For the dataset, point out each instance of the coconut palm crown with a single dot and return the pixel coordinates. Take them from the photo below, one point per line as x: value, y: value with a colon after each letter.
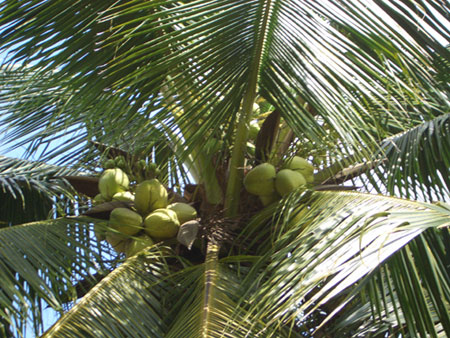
x: 194, y: 94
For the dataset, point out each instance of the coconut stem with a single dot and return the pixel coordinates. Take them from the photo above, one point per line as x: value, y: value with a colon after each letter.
x: 237, y: 161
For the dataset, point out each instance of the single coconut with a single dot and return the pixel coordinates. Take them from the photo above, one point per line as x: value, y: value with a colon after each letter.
x: 301, y: 165
x: 260, y: 180
x: 269, y: 199
x: 253, y: 130
x: 150, y: 195
x: 125, y: 221
x: 288, y: 180
x: 184, y: 211
x: 124, y: 196
x: 109, y: 164
x: 162, y: 224
x: 120, y: 162
x: 98, y: 199
x: 138, y: 244
x: 111, y: 182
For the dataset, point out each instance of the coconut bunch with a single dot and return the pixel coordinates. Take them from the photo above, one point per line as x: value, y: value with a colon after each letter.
x: 270, y: 185
x: 150, y: 217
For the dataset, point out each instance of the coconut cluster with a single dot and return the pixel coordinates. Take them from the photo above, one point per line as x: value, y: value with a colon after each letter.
x: 150, y: 217
x: 270, y: 185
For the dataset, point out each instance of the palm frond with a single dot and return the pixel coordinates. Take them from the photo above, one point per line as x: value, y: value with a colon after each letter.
x: 206, y: 311
x: 41, y: 263
x: 31, y: 189
x: 410, y: 291
x: 336, y: 240
x: 158, y: 80
x: 205, y: 59
x: 130, y: 302
x: 170, y: 303
x: 144, y: 296
x: 418, y: 161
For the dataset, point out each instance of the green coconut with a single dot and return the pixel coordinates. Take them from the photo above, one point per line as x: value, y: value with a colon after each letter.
x: 118, y: 242
x: 253, y: 130
x: 260, y: 180
x: 111, y: 182
x: 162, y: 224
x: 184, y: 211
x: 120, y: 162
x: 138, y: 244
x: 98, y: 199
x: 109, y: 164
x: 288, y: 180
x: 269, y: 199
x: 124, y: 196
x: 125, y: 221
x: 150, y: 195
x: 302, y: 166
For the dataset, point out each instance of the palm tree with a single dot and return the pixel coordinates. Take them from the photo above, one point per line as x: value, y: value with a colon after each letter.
x: 357, y: 87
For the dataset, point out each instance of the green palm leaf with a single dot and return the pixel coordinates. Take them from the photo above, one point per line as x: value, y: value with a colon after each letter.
x: 165, y: 81
x: 418, y: 161
x: 197, y: 301
x: 290, y: 65
x: 396, y: 302
x: 30, y: 189
x: 129, y: 302
x: 220, y: 299
x: 42, y: 261
x: 339, y: 239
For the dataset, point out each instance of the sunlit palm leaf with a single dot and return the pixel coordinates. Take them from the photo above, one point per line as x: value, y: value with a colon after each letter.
x: 170, y: 303
x: 144, y: 297
x: 339, y: 239
x: 210, y: 55
x: 130, y: 302
x: 410, y: 291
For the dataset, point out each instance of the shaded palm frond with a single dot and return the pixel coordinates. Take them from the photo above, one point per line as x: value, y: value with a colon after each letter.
x: 442, y: 66
x: 336, y: 240
x: 418, y: 161
x: 37, y: 113
x: 41, y: 262
x: 30, y: 189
